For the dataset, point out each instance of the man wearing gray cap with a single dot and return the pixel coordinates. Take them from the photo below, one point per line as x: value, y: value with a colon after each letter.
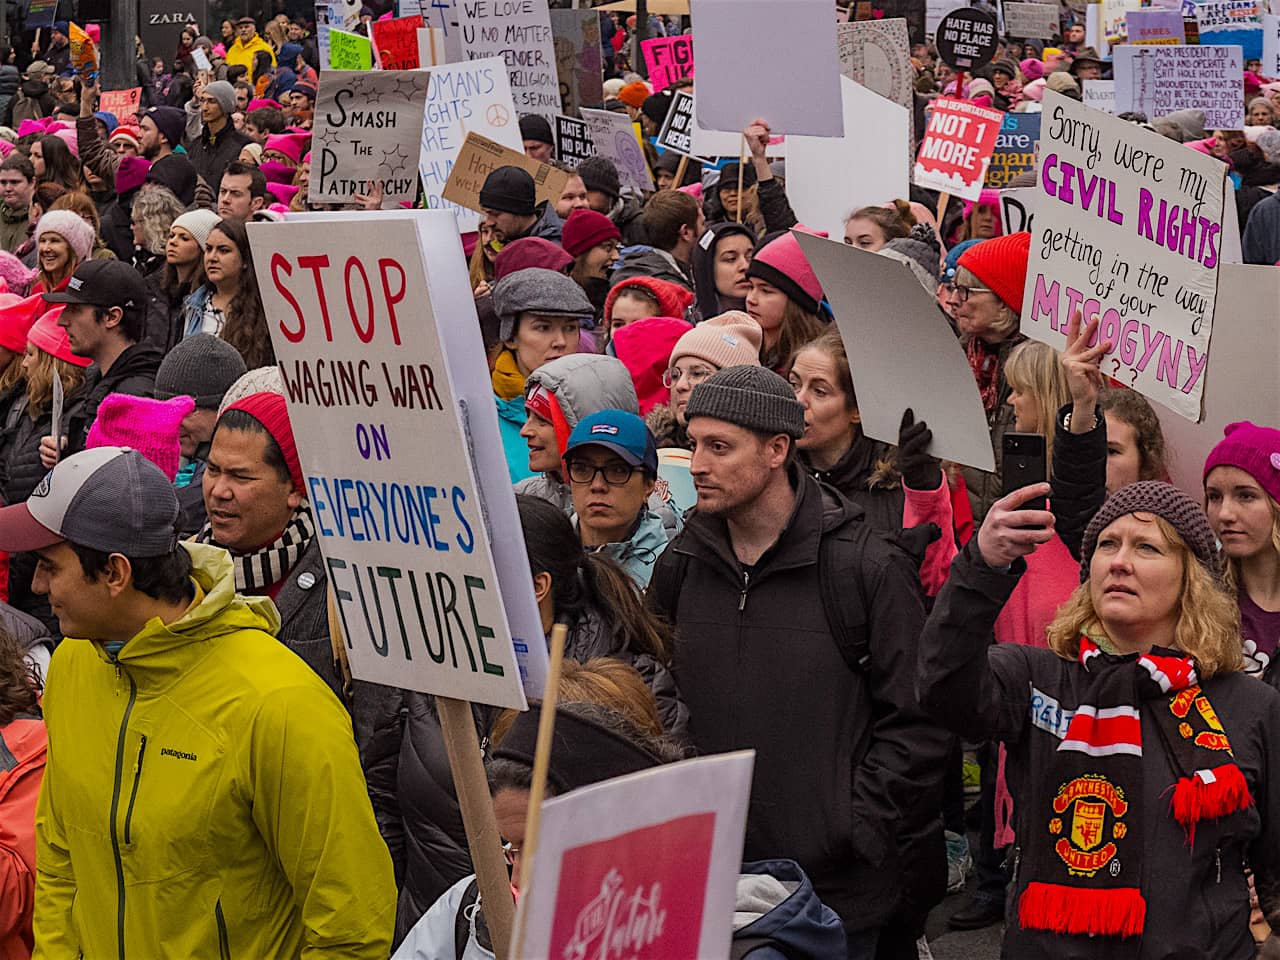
x: 217, y: 141
x: 203, y: 794
x: 797, y: 626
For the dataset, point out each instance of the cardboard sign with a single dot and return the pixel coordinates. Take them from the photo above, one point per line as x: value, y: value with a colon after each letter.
x: 431, y: 50
x: 796, y: 87
x: 480, y: 156
x: 1225, y: 22
x: 396, y: 43
x: 830, y: 177
x: 643, y: 866
x: 900, y: 333
x: 1099, y: 94
x: 389, y: 396
x: 669, y: 59
x: 677, y: 129
x: 573, y: 142
x: 1270, y: 45
x: 1134, y: 239
x: 160, y: 22
x: 957, y: 146
x: 473, y: 95
x: 967, y: 39
x: 367, y: 127
x: 1027, y: 20
x: 121, y: 104
x: 1015, y: 150
x: 1159, y: 80
x: 614, y: 137
x: 1155, y: 27
x: 579, y: 60
x: 349, y: 51
x: 519, y: 31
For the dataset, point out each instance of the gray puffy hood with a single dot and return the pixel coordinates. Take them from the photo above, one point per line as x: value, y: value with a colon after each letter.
x: 585, y: 383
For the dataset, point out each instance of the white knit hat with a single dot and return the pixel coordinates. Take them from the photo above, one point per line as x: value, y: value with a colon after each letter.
x: 72, y: 228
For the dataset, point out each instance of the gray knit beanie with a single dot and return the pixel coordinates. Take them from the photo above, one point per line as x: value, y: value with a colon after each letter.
x: 202, y: 367
x: 752, y: 397
x: 920, y: 250
x: 225, y: 94
x: 1164, y: 501
x: 537, y: 290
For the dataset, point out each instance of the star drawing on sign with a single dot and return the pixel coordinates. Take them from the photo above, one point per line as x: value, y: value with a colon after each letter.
x: 367, y: 90
x: 328, y: 138
x: 394, y: 160
x: 407, y: 87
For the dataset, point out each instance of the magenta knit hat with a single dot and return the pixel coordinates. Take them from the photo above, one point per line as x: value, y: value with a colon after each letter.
x: 585, y: 229
x: 71, y: 227
x: 148, y: 426
x: 1031, y: 68
x: 782, y: 264
x: 131, y: 173
x: 729, y: 340
x: 1254, y: 449
x: 292, y: 145
x: 17, y: 276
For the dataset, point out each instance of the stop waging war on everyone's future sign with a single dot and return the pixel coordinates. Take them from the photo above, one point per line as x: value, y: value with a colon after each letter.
x: 1128, y: 228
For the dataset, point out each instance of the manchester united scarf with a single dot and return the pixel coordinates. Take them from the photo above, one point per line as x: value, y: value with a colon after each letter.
x: 1084, y: 879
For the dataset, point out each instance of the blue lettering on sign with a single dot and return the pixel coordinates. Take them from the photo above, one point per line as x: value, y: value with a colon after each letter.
x: 1048, y: 715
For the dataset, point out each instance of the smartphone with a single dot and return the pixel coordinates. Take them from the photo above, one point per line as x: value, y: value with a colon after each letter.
x: 1023, y: 464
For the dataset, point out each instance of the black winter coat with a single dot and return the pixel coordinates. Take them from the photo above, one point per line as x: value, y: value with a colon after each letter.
x: 210, y: 153
x: 855, y: 476
x: 163, y: 327
x: 134, y: 372
x: 846, y: 763
x: 1196, y: 892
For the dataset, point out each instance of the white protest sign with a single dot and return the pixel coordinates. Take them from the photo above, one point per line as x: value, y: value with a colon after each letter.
x: 1128, y: 229
x: 1016, y: 209
x: 830, y: 177
x: 876, y: 54
x: 367, y: 125
x: 474, y: 95
x: 1231, y: 22
x: 371, y: 317
x: 1270, y: 45
x: 520, y: 32
x: 1159, y: 80
x: 956, y: 150
x: 1026, y: 20
x: 200, y: 59
x: 644, y: 865
x: 901, y: 350
x: 431, y: 49
x: 935, y: 10
x: 1099, y: 94
x: 791, y: 82
x: 615, y: 138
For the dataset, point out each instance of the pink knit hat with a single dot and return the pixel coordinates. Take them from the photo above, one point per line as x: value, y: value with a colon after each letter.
x: 70, y: 138
x: 988, y: 198
x: 46, y: 335
x: 782, y: 264
x: 292, y: 145
x: 644, y: 347
x: 1254, y: 449
x: 16, y: 276
x: 17, y: 314
x: 283, y: 192
x: 71, y: 227
x: 131, y: 174
x: 148, y: 426
x: 261, y: 102
x: 731, y: 339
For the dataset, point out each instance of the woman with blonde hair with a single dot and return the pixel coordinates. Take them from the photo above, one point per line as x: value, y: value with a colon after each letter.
x: 63, y: 241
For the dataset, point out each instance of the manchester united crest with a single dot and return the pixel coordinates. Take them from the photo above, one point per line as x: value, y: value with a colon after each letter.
x: 1089, y: 820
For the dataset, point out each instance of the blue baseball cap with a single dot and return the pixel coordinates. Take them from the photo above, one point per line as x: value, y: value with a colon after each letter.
x: 952, y: 262
x: 619, y: 432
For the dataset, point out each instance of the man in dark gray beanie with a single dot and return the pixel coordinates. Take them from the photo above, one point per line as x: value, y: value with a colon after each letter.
x: 509, y: 199
x: 796, y: 630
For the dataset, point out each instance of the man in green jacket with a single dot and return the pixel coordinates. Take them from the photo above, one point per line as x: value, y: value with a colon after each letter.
x: 203, y: 796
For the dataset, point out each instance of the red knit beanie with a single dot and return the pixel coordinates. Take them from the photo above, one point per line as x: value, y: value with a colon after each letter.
x: 673, y: 299
x: 585, y: 229
x: 48, y: 336
x: 1002, y: 265
x: 270, y: 410
x: 782, y: 264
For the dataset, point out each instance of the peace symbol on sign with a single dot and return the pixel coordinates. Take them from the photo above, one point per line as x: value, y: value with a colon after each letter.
x: 497, y: 115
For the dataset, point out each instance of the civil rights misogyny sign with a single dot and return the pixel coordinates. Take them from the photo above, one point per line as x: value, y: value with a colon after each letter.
x: 1128, y: 228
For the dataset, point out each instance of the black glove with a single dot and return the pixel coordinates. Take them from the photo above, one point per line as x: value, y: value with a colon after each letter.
x: 919, y: 470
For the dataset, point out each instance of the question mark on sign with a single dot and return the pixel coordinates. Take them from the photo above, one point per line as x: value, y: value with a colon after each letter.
x: 1115, y: 371
x: 1134, y: 378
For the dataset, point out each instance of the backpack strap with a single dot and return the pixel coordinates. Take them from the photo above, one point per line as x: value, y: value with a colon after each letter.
x: 461, y: 922
x: 667, y: 580
x: 843, y: 604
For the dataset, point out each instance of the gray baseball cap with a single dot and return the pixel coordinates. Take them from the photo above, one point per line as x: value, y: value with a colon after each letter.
x: 111, y: 499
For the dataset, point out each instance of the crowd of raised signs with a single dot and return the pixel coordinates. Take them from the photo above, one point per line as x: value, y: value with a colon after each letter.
x: 1060, y: 699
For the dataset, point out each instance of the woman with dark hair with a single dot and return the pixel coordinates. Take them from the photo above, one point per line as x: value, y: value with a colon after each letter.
x: 181, y: 275
x: 228, y: 305
x: 720, y: 261
x: 23, y: 743
x: 54, y: 162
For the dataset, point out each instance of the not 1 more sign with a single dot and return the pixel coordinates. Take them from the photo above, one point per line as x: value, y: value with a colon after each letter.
x: 967, y: 39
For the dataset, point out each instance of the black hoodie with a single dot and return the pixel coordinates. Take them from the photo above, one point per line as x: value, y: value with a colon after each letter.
x: 710, y: 303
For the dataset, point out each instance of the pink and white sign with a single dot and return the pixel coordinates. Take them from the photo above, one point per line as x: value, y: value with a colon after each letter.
x: 669, y: 59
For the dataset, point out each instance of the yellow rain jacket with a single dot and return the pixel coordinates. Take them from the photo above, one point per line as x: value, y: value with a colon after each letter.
x: 242, y: 54
x: 203, y: 797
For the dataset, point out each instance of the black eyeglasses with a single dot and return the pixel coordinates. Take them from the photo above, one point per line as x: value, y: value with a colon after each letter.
x: 615, y: 472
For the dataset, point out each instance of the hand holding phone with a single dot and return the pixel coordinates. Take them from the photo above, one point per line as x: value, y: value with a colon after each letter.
x: 1023, y: 463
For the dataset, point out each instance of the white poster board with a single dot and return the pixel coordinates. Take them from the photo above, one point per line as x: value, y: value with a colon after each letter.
x: 520, y: 32
x: 1099, y: 94
x: 1159, y: 80
x: 1028, y: 20
x: 614, y: 137
x: 1136, y: 242
x: 876, y: 54
x: 901, y: 351
x: 757, y: 61
x: 474, y: 95
x: 1270, y: 45
x: 373, y: 323
x: 830, y: 177
x: 644, y: 865
x: 935, y: 10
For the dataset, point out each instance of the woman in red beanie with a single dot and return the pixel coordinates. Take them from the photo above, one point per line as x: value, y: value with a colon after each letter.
x: 592, y: 240
x: 638, y: 297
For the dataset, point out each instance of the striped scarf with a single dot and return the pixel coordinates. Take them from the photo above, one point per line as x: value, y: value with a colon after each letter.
x: 258, y: 571
x: 1084, y: 874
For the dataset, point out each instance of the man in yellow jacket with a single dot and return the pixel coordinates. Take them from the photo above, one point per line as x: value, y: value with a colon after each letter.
x: 247, y: 43
x: 203, y: 796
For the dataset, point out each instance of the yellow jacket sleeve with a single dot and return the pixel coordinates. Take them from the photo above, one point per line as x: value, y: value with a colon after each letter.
x: 55, y: 933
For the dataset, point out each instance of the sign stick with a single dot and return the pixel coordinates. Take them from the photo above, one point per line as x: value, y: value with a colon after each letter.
x: 542, y: 757
x: 959, y: 82
x: 944, y: 201
x: 483, y: 841
x: 742, y: 162
x: 681, y: 167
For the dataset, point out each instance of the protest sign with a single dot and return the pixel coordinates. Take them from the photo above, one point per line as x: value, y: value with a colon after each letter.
x: 480, y: 156
x: 830, y: 177
x: 121, y: 104
x: 573, y: 142
x: 41, y: 14
x: 1135, y: 240
x: 643, y: 866
x: 473, y: 95
x: 201, y: 59
x: 876, y: 54
x: 957, y: 145
x: 1015, y: 150
x: 579, y: 60
x: 1026, y: 20
x: 900, y: 330
x: 1099, y: 94
x: 913, y: 11
x: 349, y: 51
x: 669, y: 59
x: 519, y: 31
x: 796, y: 88
x: 395, y: 43
x: 674, y: 473
x: 1114, y: 21
x: 160, y: 22
x: 389, y: 397
x: 1271, y: 45
x: 614, y: 137
x: 935, y: 10
x: 1016, y: 209
x: 367, y: 127
x: 1159, y: 80
x: 1158, y: 27
x: 431, y: 51
x: 1225, y: 22
x: 677, y: 129
x: 967, y: 39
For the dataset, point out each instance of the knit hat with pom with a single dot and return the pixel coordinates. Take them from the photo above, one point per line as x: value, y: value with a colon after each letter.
x: 148, y: 426
x: 71, y: 227
x: 1254, y: 449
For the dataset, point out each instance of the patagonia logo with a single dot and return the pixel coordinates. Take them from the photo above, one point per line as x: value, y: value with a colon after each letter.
x: 605, y: 428
x: 177, y: 754
x: 1048, y: 715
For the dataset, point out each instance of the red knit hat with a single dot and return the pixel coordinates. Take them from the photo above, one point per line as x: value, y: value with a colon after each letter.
x: 270, y: 410
x: 531, y: 252
x: 585, y: 229
x: 782, y: 264
x: 635, y: 94
x: 673, y: 299
x: 1002, y: 265
x: 17, y: 314
x: 52, y: 339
